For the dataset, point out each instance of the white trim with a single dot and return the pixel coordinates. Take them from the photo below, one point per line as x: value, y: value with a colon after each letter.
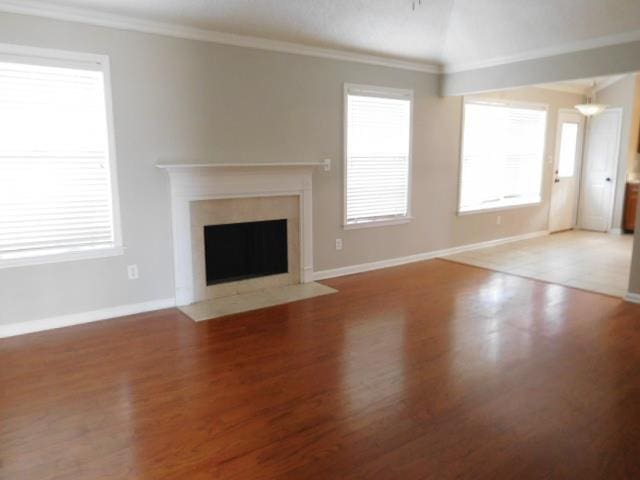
x: 608, y: 82
x: 45, y: 56
x: 632, y: 297
x: 499, y: 208
x: 383, y: 92
x: 62, y: 257
x: 559, y: 87
x: 30, y: 326
x: 93, y: 17
x: 579, y: 89
x: 378, y: 223
x: 593, y: 43
x: 378, y: 91
x: 393, y: 262
x: 113, y: 158
x: 616, y: 231
x: 505, y: 102
x: 122, y: 22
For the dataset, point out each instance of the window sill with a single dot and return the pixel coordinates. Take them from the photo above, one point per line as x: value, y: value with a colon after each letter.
x: 62, y: 257
x: 377, y: 223
x: 498, y: 208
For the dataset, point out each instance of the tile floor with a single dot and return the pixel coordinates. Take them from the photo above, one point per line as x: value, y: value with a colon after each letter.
x: 597, y: 262
x: 246, y: 302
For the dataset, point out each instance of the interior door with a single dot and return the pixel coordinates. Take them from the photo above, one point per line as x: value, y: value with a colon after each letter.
x: 601, y: 162
x: 566, y: 178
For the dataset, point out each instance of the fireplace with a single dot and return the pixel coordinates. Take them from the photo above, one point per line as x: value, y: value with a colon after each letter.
x: 209, y: 194
x: 239, y: 251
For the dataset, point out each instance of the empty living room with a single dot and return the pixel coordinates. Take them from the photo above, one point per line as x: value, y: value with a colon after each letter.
x: 311, y: 239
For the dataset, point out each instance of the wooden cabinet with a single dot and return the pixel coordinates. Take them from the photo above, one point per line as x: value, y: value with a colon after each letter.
x: 630, y: 205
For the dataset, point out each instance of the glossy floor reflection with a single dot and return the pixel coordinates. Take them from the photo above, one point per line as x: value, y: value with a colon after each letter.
x: 432, y: 370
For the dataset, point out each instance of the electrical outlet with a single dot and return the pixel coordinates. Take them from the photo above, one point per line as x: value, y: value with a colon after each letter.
x: 338, y: 244
x: 499, y: 220
x: 132, y: 272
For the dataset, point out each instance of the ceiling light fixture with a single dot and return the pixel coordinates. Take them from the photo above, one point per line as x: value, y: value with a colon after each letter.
x: 590, y: 109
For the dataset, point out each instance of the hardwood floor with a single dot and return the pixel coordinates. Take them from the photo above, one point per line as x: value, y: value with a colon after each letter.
x: 433, y: 370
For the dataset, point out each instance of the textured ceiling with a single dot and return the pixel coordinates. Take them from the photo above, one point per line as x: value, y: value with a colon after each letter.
x: 437, y: 31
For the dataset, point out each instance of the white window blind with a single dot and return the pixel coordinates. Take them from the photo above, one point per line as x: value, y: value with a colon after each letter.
x: 502, y: 159
x: 56, y: 191
x: 378, y: 135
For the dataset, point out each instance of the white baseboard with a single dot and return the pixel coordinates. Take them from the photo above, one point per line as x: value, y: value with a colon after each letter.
x: 616, y: 231
x: 31, y: 326
x: 632, y: 297
x: 393, y: 262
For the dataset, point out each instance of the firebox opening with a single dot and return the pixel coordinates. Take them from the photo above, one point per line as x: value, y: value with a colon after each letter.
x: 239, y: 251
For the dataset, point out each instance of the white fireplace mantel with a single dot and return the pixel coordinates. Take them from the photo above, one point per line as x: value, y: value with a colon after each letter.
x: 208, y: 181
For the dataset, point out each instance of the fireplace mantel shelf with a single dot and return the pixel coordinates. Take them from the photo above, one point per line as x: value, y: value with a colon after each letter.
x: 326, y: 164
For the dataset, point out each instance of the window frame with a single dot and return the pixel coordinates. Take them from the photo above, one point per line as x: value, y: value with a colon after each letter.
x: 80, y: 60
x: 382, y: 92
x: 509, y: 103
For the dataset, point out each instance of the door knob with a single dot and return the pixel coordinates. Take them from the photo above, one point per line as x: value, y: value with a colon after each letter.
x: 608, y: 179
x: 557, y: 180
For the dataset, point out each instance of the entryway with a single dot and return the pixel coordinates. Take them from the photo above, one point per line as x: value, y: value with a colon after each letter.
x: 597, y: 262
x: 584, y: 197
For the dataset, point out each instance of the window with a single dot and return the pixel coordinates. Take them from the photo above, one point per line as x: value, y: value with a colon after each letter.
x: 378, y: 155
x: 502, y: 155
x: 568, y: 149
x: 58, y: 200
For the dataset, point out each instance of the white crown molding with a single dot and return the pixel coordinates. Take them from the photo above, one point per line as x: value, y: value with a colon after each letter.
x: 568, y: 87
x: 606, y: 41
x: 40, y: 9
x: 419, y: 257
x: 21, y: 328
x: 92, y: 17
x: 609, y: 81
x: 559, y: 87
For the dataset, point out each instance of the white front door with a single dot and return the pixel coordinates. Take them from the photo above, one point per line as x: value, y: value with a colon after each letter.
x: 601, y: 163
x: 566, y: 178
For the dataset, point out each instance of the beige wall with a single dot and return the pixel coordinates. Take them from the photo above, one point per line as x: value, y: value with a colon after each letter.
x: 626, y: 94
x: 622, y: 94
x: 634, y: 283
x: 634, y: 280
x: 192, y: 100
x: 634, y: 147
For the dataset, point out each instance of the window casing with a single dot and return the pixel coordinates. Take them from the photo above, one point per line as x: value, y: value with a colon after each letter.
x: 58, y: 192
x: 377, y: 155
x: 502, y: 160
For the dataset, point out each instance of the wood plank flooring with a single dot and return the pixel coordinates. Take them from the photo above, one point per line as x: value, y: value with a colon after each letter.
x: 433, y: 370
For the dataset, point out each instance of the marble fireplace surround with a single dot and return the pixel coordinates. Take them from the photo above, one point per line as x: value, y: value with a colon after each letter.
x: 239, y: 210
x: 193, y: 183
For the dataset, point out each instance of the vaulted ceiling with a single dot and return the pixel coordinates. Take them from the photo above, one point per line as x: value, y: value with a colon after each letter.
x: 455, y: 33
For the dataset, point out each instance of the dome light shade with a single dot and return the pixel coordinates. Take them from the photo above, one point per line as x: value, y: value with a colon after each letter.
x: 590, y: 109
